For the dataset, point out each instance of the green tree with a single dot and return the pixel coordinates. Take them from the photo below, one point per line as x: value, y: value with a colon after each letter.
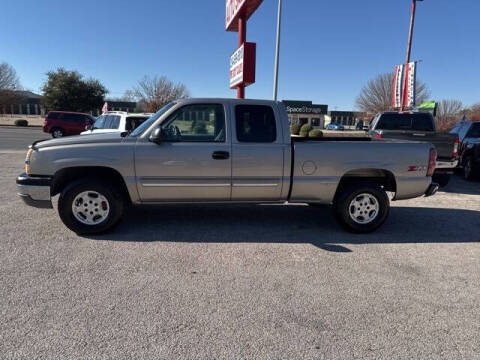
x: 69, y: 91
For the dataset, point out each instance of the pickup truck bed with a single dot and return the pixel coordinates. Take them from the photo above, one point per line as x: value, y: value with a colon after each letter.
x: 222, y: 151
x: 418, y: 126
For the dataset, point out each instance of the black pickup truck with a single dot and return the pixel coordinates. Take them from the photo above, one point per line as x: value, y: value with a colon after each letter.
x: 469, y: 150
x: 419, y: 126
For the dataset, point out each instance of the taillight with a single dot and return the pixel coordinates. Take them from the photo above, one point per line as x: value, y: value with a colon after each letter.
x: 455, y: 148
x: 378, y: 135
x: 432, y: 162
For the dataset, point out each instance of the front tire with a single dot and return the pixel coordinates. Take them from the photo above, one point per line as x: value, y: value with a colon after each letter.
x: 90, y: 206
x: 362, y: 208
x: 468, y: 171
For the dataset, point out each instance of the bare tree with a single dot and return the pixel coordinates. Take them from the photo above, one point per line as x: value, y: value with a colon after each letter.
x: 9, y: 85
x: 448, y: 113
x: 473, y: 113
x: 155, y: 92
x: 377, y: 95
x: 128, y: 95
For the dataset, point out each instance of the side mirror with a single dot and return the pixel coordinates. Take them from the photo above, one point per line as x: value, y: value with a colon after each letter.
x: 156, y: 136
x: 89, y: 127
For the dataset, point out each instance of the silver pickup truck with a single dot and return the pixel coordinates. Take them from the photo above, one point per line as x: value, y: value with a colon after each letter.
x: 222, y: 151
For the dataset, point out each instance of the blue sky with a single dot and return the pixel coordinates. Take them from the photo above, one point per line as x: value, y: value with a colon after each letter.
x: 329, y: 48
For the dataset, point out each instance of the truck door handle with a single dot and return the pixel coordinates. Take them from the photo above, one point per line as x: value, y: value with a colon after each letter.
x: 221, y: 155
x: 417, y: 134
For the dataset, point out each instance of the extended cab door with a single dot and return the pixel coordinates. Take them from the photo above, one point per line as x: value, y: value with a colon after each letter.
x: 258, y: 152
x: 192, y: 163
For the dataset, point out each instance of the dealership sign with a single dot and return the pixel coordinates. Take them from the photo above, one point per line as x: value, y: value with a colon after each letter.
x: 242, y: 65
x: 235, y: 8
x: 304, y: 107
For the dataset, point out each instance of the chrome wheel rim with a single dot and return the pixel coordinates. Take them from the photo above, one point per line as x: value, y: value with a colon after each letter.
x: 364, y: 208
x: 57, y: 133
x: 90, y: 207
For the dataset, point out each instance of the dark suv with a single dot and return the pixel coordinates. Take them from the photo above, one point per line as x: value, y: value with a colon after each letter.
x: 469, y: 151
x: 63, y: 123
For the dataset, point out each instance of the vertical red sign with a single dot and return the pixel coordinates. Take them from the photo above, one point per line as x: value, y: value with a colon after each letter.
x: 242, y: 61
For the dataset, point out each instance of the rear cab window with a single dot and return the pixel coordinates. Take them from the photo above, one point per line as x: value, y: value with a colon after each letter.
x: 422, y: 122
x: 255, y: 124
x: 399, y: 122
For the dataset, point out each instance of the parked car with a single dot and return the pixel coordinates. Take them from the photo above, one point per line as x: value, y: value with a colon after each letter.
x: 337, y: 127
x: 222, y: 151
x: 116, y: 121
x: 469, y: 149
x: 63, y: 123
x: 419, y: 126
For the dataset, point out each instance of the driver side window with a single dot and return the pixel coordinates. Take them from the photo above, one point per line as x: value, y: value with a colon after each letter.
x: 196, y: 123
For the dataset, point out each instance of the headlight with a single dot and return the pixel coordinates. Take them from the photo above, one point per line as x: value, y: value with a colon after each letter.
x: 27, y: 161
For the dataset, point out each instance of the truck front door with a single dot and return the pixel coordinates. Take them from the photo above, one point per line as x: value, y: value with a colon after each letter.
x: 192, y: 163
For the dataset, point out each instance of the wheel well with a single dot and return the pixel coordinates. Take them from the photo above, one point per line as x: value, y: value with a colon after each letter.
x: 65, y: 176
x: 381, y: 177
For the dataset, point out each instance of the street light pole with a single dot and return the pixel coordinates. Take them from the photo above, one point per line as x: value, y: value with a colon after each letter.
x: 277, y: 52
x: 410, y: 33
x: 409, y: 46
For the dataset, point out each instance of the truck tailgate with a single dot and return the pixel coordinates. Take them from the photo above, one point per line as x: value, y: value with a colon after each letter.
x: 444, y: 143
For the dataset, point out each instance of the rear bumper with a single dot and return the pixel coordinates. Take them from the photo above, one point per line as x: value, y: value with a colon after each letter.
x: 432, y: 189
x: 446, y: 166
x: 35, y: 191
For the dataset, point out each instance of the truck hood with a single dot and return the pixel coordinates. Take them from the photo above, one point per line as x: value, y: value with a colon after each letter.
x: 78, y: 139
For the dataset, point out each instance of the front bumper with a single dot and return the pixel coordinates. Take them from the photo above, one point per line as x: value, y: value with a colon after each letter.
x: 432, y: 189
x: 35, y: 191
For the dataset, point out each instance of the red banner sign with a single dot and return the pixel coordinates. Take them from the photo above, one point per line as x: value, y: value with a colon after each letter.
x: 410, y: 91
x: 242, y: 65
x: 235, y: 8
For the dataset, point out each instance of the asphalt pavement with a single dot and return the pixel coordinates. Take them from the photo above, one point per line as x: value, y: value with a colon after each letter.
x: 240, y: 282
x: 18, y: 138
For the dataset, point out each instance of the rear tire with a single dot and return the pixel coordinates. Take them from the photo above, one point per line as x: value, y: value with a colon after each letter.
x: 90, y: 206
x: 57, y: 133
x: 469, y: 171
x: 362, y: 208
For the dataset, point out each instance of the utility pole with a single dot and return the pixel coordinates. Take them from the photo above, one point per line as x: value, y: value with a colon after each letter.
x: 277, y: 52
x: 409, y: 48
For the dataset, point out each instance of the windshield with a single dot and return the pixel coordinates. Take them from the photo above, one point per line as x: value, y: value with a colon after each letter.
x: 474, y: 131
x: 107, y: 122
x: 139, y: 130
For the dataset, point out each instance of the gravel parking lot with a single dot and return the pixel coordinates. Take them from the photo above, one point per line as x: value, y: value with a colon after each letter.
x: 262, y: 282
